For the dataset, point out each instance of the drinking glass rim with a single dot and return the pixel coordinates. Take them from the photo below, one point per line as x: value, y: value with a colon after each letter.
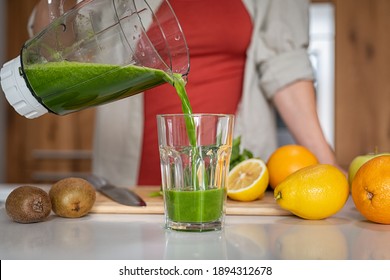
x: 195, y: 115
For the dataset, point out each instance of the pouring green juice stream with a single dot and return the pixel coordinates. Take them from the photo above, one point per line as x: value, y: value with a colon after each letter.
x: 65, y: 87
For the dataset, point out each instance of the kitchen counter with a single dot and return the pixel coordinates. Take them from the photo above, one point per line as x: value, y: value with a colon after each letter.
x: 346, y: 235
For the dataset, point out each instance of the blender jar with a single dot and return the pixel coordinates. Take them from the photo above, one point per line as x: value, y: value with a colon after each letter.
x: 98, y: 52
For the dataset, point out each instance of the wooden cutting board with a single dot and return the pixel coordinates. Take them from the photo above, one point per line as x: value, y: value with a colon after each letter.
x: 155, y: 205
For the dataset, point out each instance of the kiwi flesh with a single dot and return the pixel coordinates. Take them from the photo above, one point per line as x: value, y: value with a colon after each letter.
x: 72, y: 197
x: 28, y: 204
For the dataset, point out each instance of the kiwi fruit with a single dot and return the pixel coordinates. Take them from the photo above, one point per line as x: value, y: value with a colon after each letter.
x: 28, y: 204
x: 72, y: 197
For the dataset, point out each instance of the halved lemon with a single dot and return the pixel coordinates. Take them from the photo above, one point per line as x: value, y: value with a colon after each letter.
x: 248, y: 180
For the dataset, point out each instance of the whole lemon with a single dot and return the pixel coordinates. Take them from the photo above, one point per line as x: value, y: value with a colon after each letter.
x: 314, y: 192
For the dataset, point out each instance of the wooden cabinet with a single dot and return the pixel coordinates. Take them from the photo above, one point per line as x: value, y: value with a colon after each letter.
x: 50, y: 147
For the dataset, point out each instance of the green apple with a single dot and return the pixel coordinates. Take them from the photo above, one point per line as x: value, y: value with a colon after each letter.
x: 358, y: 161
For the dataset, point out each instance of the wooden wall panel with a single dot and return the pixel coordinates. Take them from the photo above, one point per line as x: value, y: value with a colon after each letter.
x: 362, y: 77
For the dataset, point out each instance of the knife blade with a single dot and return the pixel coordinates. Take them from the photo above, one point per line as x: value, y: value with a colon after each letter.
x: 121, y: 195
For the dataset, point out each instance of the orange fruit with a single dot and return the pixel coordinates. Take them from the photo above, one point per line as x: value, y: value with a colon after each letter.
x: 371, y: 190
x: 287, y: 159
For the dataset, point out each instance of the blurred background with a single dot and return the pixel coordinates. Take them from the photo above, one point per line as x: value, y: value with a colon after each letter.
x: 2, y: 104
x: 350, y: 51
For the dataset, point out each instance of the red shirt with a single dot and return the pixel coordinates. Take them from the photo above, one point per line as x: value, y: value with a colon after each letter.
x: 218, y: 33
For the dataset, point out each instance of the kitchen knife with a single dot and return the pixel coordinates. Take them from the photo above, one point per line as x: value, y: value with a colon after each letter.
x: 121, y: 195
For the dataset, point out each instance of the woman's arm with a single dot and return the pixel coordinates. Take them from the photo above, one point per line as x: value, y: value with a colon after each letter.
x: 297, y: 106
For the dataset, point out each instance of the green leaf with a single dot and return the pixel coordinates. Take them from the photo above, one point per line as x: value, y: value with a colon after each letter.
x: 247, y: 154
x: 235, y: 149
x: 237, y: 157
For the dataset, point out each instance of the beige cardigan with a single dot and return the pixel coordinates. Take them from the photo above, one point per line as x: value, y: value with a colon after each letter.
x: 277, y: 56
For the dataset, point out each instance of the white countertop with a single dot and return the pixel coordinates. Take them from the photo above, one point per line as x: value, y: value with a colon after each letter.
x: 346, y: 235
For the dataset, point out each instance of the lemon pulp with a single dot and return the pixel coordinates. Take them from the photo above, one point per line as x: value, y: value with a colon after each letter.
x: 248, y: 180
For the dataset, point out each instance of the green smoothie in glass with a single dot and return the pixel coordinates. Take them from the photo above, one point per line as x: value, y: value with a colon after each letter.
x: 195, y: 206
